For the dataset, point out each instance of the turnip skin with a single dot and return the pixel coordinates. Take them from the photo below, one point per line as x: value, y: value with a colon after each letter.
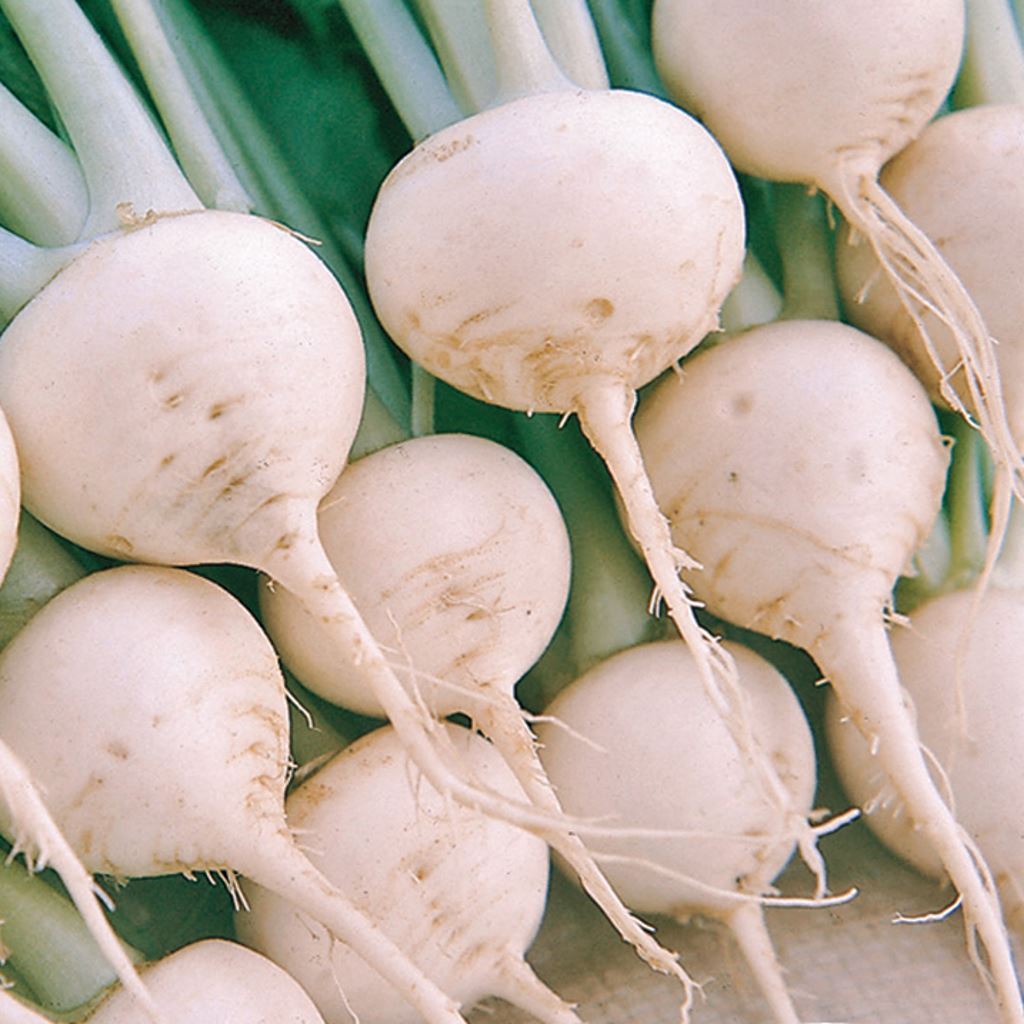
x: 981, y: 752
x: 461, y: 893
x: 636, y: 741
x: 215, y: 982
x: 804, y: 541
x: 962, y: 182
x: 592, y: 278
x: 237, y: 444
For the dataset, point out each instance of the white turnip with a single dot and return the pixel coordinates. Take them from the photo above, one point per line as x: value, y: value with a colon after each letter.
x: 962, y: 183
x: 461, y: 893
x: 635, y: 741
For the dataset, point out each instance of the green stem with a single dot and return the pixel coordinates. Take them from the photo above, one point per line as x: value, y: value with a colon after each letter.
x: 267, y: 176
x: 611, y: 589
x: 572, y: 39
x: 804, y: 241
x: 966, y: 502
x: 40, y: 569
x: 523, y: 61
x: 993, y: 65
x: 48, y: 943
x: 626, y: 51
x: 126, y: 164
x: 416, y: 86
x: 25, y: 269
x: 42, y: 190
x: 458, y: 30
x: 404, y: 63
x: 377, y: 429
x: 424, y: 392
x: 195, y: 144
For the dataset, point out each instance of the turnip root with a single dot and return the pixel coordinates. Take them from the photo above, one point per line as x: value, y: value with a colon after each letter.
x: 977, y: 748
x: 828, y: 94
x: 464, y: 588
x: 636, y: 741
x: 803, y: 537
x: 461, y: 893
x: 158, y: 674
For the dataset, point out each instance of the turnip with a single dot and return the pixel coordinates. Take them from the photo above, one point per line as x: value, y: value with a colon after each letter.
x: 217, y: 982
x: 975, y: 750
x: 464, y: 590
x: 612, y: 228
x: 869, y: 77
x: 803, y: 539
x: 640, y: 719
x: 461, y: 893
x: 159, y: 674
x: 208, y: 982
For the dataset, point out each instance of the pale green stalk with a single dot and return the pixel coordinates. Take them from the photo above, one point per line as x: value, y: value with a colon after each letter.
x: 25, y: 269
x: 128, y: 169
x: 802, y: 236
x: 965, y: 501
x: 268, y: 178
x: 993, y: 65
x: 48, y: 943
x: 459, y: 32
x: 377, y: 429
x: 404, y: 63
x: 572, y: 39
x: 611, y: 589
x: 524, y: 63
x: 42, y: 191
x: 416, y: 87
x: 626, y: 52
x: 197, y: 148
